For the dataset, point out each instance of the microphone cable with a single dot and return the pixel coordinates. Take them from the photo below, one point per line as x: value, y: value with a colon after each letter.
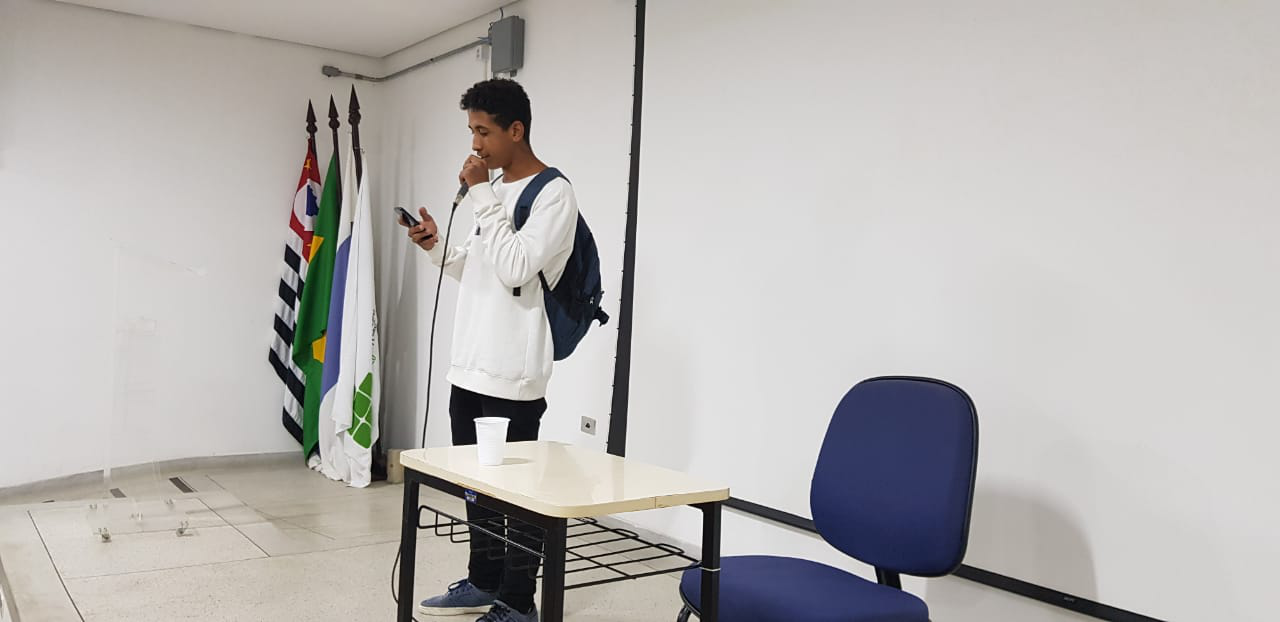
x: 431, y: 357
x: 435, y: 311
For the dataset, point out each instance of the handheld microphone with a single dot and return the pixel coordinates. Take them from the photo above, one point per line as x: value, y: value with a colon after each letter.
x: 462, y: 192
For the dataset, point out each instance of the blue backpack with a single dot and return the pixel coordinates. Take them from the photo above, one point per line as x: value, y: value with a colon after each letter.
x: 575, y: 301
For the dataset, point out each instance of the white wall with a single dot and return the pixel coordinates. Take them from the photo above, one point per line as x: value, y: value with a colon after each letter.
x: 180, y: 148
x: 579, y: 84
x: 581, y: 104
x: 140, y: 112
x: 1065, y: 208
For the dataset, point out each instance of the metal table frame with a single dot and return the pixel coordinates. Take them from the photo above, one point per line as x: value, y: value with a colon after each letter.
x: 555, y: 547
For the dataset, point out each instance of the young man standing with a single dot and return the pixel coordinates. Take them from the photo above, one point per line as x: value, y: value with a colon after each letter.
x: 502, y: 350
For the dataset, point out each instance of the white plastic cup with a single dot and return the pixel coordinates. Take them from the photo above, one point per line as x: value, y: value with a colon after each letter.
x: 491, y: 440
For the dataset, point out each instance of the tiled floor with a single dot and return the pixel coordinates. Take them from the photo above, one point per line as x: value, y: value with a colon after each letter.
x: 268, y: 541
x: 274, y: 541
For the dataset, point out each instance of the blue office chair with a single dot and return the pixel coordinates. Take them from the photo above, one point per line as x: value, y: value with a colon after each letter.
x: 893, y: 487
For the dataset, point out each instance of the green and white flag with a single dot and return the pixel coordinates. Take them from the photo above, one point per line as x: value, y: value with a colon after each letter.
x: 312, y: 324
x: 349, y: 410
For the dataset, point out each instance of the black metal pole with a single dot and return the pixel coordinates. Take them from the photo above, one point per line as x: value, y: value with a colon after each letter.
x: 889, y: 578
x: 617, y: 444
x: 553, y: 571
x: 311, y: 130
x: 333, y: 127
x: 710, y: 610
x: 408, y: 546
x: 353, y: 119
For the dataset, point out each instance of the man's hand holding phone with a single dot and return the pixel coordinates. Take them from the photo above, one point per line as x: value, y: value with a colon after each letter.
x: 423, y: 232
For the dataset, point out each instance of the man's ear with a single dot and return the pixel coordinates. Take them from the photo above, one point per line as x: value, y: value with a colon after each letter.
x: 516, y: 131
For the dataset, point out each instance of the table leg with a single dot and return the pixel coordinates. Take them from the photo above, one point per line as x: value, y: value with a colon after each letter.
x: 408, y: 548
x: 553, y: 572
x: 710, y: 609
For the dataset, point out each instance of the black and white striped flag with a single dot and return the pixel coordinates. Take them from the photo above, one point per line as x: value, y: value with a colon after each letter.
x: 297, y: 252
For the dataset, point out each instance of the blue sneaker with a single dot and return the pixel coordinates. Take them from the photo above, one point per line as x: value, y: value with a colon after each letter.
x: 502, y: 613
x: 461, y: 598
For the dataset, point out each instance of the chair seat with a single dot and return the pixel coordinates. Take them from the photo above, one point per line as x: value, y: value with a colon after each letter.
x: 761, y: 588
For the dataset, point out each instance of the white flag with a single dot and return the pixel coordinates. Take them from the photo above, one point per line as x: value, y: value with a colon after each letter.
x: 360, y: 390
x: 332, y: 459
x: 352, y: 378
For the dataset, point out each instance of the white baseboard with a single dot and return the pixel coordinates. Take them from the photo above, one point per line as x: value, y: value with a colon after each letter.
x: 164, y: 466
x: 691, y: 549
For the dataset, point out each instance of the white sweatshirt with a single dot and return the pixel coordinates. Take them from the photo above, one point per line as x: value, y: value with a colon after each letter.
x: 502, y: 343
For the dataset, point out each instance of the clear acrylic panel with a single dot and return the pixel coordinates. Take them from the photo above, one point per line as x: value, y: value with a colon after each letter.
x: 150, y: 330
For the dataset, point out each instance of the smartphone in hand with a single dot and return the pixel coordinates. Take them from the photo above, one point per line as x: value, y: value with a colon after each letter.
x: 406, y: 218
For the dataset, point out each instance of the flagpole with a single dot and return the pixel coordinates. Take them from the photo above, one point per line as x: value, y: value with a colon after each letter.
x: 292, y: 282
x: 311, y: 128
x: 333, y: 126
x: 353, y: 119
x: 378, y: 463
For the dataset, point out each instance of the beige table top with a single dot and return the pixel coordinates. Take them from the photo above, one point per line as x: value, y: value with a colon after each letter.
x: 565, y: 481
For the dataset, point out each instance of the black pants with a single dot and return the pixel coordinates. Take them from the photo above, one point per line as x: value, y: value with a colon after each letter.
x: 511, y: 574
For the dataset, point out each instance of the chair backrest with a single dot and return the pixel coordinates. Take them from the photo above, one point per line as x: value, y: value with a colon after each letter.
x: 893, y: 486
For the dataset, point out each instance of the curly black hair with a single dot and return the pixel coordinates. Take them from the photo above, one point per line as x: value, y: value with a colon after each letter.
x: 504, y: 99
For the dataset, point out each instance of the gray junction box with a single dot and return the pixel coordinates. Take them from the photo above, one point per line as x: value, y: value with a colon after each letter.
x: 506, y: 41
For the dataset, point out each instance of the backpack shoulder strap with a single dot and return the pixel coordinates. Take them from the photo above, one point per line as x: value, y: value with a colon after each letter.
x: 530, y: 193
x: 524, y: 205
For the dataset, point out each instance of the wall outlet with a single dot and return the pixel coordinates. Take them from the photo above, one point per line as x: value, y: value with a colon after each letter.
x: 588, y: 426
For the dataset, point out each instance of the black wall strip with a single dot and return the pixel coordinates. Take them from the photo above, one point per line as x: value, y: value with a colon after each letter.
x: 978, y: 575
x: 617, y: 444
x: 1050, y: 596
